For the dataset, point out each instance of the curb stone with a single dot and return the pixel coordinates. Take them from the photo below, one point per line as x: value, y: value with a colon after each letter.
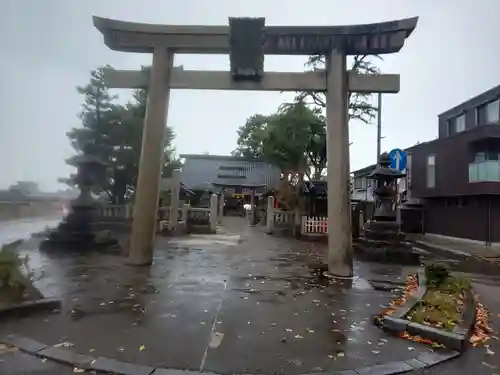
x: 455, y: 340
x: 413, y: 299
x: 112, y: 366
x: 39, y: 305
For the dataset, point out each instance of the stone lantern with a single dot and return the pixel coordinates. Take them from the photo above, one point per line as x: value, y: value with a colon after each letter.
x: 382, y: 238
x: 80, y: 228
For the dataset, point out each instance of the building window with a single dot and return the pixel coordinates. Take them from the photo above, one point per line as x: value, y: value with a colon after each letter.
x: 485, y: 167
x: 431, y: 171
x: 360, y: 183
x: 456, y: 124
x: 488, y: 113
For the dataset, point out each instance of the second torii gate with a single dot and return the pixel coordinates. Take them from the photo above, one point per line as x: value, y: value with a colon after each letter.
x: 247, y: 40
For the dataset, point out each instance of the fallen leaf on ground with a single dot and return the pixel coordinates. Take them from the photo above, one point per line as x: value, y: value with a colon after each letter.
x: 65, y: 344
x: 489, y: 365
x: 141, y: 348
x: 296, y: 362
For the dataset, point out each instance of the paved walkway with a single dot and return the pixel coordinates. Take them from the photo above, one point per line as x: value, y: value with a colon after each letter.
x: 236, y: 302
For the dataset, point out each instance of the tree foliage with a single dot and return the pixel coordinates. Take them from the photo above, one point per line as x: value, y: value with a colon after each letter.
x: 115, y: 133
x: 360, y: 107
x: 292, y: 138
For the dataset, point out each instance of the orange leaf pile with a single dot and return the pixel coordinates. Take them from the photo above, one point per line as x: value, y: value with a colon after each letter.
x: 406, y: 336
x: 482, y: 330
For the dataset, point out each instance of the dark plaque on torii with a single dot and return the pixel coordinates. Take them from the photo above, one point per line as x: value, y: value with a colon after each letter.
x: 246, y: 41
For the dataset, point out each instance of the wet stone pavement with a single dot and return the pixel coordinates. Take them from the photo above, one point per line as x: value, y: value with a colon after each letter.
x: 236, y: 302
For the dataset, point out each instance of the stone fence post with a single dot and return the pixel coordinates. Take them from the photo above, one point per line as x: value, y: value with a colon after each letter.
x: 213, y: 212
x: 185, y: 212
x: 221, y: 207
x: 128, y: 210
x: 174, y: 199
x: 270, y: 215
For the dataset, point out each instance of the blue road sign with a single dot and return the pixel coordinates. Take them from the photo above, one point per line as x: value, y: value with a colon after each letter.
x: 398, y: 159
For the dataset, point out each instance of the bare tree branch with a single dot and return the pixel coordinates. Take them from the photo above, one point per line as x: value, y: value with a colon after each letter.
x: 359, y: 103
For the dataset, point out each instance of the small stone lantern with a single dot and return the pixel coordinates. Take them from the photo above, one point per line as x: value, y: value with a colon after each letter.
x: 80, y: 228
x: 382, y: 239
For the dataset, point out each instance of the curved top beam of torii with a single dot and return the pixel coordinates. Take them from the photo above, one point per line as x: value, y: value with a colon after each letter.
x: 368, y: 39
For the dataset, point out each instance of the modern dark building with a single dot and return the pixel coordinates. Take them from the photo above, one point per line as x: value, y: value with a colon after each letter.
x: 457, y: 175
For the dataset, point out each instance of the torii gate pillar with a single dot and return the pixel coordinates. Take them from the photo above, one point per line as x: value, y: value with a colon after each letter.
x: 150, y: 164
x: 340, y: 260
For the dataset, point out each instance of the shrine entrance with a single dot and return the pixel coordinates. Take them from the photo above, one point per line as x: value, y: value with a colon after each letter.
x: 247, y: 41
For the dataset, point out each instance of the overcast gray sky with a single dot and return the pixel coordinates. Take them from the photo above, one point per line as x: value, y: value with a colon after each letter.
x: 48, y: 47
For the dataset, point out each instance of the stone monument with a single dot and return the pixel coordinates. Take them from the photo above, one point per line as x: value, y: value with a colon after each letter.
x: 80, y: 229
x: 383, y: 240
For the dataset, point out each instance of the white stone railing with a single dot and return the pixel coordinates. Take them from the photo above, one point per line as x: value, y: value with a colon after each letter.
x: 314, y: 225
x: 199, y: 215
x: 204, y: 216
x: 123, y: 211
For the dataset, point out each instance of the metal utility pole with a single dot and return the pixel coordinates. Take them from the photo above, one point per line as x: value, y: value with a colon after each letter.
x: 379, y: 125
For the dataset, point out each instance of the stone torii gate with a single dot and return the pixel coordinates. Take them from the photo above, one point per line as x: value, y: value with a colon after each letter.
x: 247, y: 41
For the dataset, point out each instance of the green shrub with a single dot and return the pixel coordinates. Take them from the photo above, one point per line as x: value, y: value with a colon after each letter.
x: 436, y: 274
x: 11, y: 269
